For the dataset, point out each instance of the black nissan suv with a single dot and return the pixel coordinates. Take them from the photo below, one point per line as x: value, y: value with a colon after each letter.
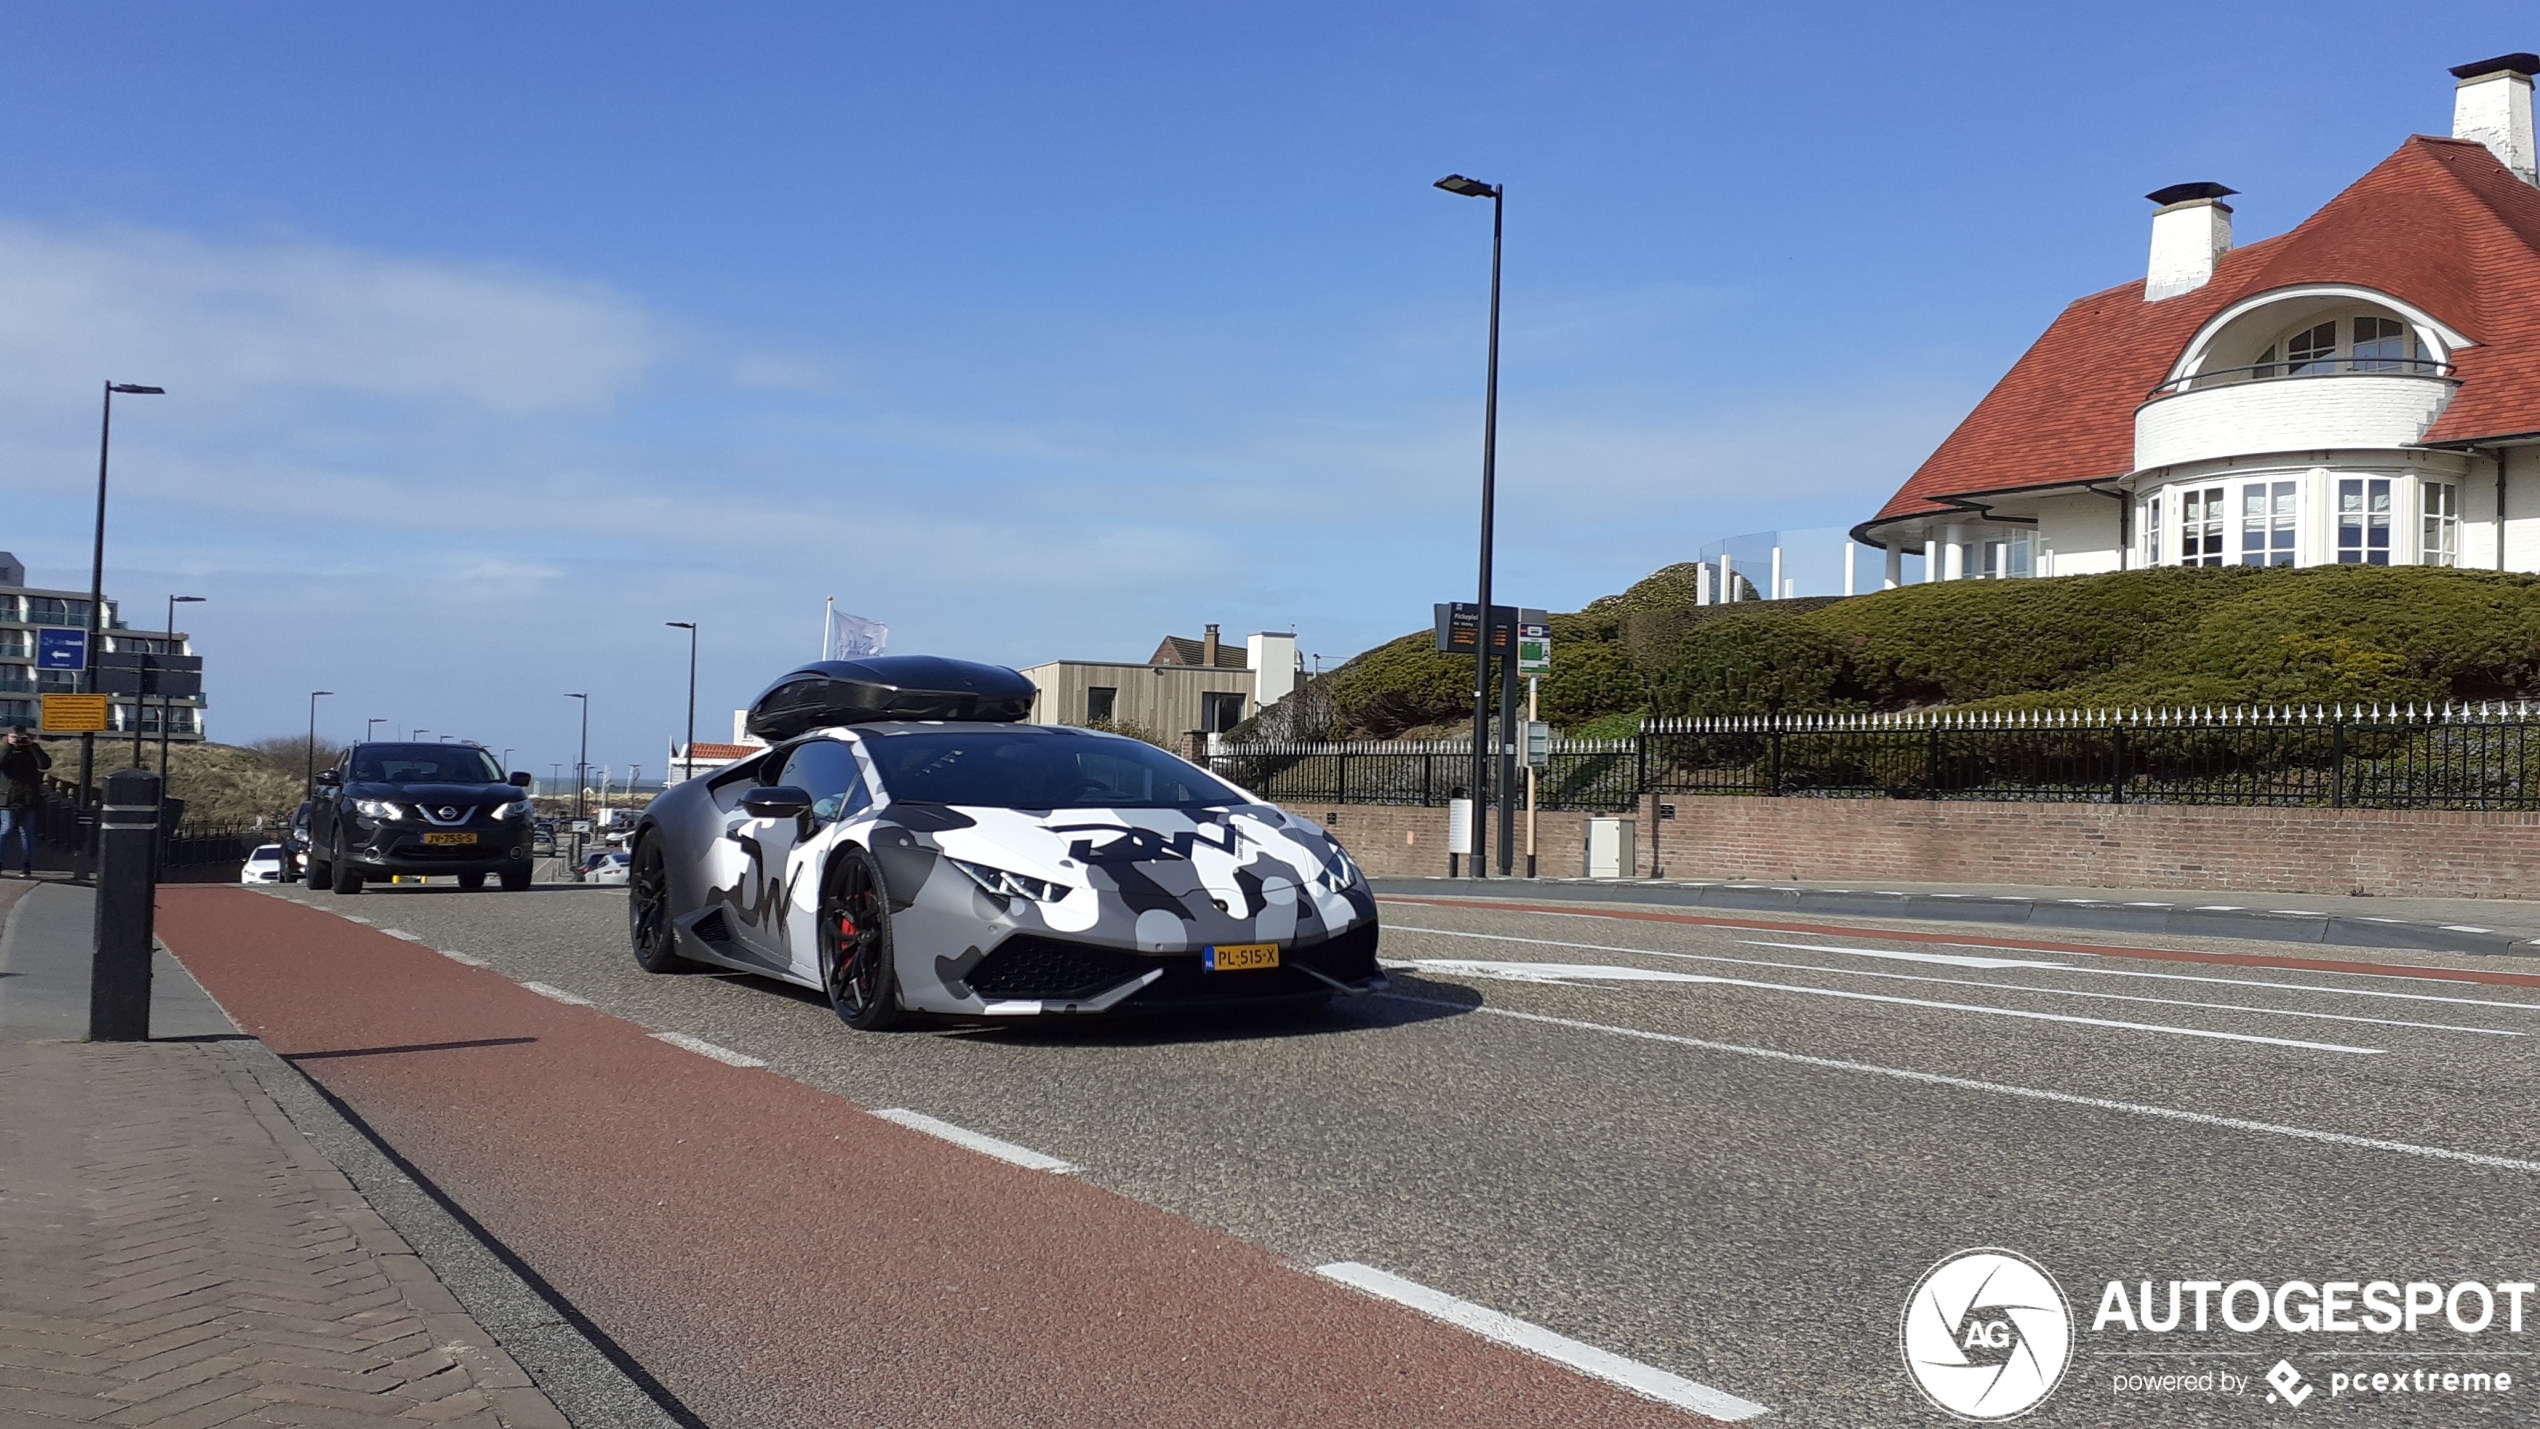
x: 387, y: 809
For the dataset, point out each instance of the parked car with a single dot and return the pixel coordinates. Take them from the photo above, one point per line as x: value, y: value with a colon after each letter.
x: 265, y: 865
x: 908, y: 848
x: 432, y: 809
x: 606, y: 865
x: 542, y: 838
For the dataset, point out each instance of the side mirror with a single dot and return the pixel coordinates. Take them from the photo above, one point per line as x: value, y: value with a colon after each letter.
x: 520, y: 779
x: 330, y: 779
x: 776, y: 801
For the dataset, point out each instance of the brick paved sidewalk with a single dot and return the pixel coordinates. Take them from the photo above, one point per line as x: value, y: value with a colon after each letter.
x: 174, y: 1254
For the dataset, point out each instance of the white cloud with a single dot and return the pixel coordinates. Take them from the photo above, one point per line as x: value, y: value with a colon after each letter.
x: 217, y: 322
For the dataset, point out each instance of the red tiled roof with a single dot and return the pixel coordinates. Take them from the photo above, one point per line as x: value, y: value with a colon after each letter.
x: 2440, y: 224
x: 702, y: 751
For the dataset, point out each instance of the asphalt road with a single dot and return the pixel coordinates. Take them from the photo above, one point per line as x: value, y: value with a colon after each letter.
x: 1729, y: 1148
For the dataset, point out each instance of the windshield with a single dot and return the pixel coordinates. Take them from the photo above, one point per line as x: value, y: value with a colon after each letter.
x: 424, y: 764
x: 998, y: 769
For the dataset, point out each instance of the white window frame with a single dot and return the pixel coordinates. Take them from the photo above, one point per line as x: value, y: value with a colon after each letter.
x: 2275, y: 525
x: 2368, y: 520
x: 2439, y: 523
x: 2204, y: 517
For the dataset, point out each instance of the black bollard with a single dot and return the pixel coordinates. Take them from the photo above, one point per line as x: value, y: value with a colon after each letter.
x: 127, y: 894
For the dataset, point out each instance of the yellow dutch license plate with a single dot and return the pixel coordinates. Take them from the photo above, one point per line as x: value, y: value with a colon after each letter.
x: 449, y: 838
x: 1240, y: 957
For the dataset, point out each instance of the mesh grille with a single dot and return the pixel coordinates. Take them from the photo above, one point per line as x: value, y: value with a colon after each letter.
x: 1024, y: 968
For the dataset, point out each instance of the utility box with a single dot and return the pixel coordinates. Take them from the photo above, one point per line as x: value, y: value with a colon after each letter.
x: 1610, y: 850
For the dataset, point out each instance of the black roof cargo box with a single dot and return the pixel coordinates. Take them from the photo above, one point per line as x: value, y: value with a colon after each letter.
x: 880, y: 687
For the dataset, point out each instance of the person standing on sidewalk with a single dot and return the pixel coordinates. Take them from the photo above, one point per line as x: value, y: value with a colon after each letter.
x: 23, y: 760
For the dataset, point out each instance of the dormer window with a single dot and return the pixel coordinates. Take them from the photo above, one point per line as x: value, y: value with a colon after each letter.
x: 2381, y: 345
x: 2311, y: 352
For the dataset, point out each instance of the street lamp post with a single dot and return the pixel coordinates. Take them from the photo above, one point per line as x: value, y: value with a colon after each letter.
x: 173, y: 602
x: 582, y: 762
x: 97, y: 584
x: 1475, y: 188
x: 507, y: 759
x: 689, y: 751
x: 371, y: 727
x: 311, y: 791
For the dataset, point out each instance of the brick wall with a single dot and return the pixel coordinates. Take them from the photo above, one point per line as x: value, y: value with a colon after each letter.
x: 1394, y: 842
x: 2379, y: 851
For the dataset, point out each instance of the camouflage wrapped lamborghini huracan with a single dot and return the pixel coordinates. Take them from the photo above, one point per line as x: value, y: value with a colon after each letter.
x: 913, y: 851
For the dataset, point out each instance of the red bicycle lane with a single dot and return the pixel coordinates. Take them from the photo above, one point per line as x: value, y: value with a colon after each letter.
x: 775, y: 1256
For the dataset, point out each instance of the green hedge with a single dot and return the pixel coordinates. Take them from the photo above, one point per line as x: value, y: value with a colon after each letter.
x: 2226, y: 635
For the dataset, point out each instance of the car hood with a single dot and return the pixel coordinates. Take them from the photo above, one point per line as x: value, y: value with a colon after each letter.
x: 1177, y: 877
x: 461, y: 795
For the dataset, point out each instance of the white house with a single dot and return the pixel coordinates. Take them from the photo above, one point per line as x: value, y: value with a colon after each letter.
x: 2361, y: 390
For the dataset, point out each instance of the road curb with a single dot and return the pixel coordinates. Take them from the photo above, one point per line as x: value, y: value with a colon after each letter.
x: 592, y: 1382
x: 2100, y: 915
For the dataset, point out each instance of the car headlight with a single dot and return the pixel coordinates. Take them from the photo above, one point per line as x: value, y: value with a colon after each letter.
x: 1002, y: 884
x: 516, y: 809
x: 377, y: 809
x: 1339, y: 873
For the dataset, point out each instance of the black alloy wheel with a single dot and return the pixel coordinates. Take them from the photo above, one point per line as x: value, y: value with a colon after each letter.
x: 315, y: 871
x: 856, y: 968
x: 648, y: 928
x: 471, y: 882
x: 516, y: 877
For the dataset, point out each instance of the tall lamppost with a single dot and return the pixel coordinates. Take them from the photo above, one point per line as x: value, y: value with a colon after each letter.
x: 311, y: 792
x: 173, y: 602
x: 370, y: 727
x: 97, y: 585
x: 689, y: 751
x: 507, y: 760
x: 417, y: 733
x: 582, y: 764
x: 1475, y: 188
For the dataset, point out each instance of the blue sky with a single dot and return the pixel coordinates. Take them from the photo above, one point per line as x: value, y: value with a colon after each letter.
x: 498, y: 335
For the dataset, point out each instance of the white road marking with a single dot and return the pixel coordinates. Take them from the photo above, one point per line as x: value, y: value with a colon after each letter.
x: 1938, y: 1079
x: 1647, y: 1381
x: 1955, y: 960
x: 1558, y: 974
x: 1944, y: 981
x: 704, y: 1048
x: 985, y: 1145
x: 356, y: 918
x: 402, y: 935
x: 2312, y: 986
x: 1980, y: 1011
x: 557, y: 993
x: 456, y: 956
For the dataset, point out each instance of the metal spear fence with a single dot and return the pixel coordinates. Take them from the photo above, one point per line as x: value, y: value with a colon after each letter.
x: 1585, y: 775
x: 2411, y: 756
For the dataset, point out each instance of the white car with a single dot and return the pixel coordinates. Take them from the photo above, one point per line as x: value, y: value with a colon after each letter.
x: 606, y: 866
x: 262, y: 866
x: 909, y: 846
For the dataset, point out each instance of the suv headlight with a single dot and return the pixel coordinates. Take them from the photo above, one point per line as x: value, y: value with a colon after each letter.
x: 1011, y: 885
x: 516, y: 809
x: 377, y: 809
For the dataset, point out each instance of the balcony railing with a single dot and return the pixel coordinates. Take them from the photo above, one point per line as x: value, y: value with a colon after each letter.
x: 2309, y: 367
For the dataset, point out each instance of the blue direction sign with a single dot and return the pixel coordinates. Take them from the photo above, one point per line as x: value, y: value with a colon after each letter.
x: 61, y: 649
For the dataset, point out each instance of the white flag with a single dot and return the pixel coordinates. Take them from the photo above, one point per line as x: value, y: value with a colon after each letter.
x: 852, y: 637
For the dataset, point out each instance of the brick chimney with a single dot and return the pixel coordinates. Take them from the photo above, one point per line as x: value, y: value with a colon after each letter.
x: 2492, y: 105
x: 2191, y: 231
x: 1208, y: 649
